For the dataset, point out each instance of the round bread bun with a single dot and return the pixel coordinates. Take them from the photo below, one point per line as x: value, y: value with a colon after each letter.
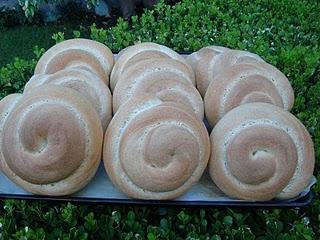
x: 244, y: 83
x: 86, y: 83
x: 259, y: 152
x: 147, y: 50
x: 163, y: 78
x: 206, y: 53
x: 155, y: 150
x: 79, y: 53
x: 51, y: 140
x: 200, y: 60
x: 222, y: 62
x: 214, y: 60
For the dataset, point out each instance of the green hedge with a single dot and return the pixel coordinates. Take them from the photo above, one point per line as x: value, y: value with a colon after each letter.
x: 285, y: 33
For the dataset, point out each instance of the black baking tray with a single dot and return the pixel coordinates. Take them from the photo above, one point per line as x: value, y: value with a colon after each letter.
x: 101, y: 191
x: 301, y: 202
x: 204, y: 194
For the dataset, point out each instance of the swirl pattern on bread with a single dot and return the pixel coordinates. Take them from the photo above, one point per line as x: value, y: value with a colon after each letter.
x: 86, y: 83
x: 155, y: 150
x: 167, y: 79
x: 77, y: 53
x: 244, y: 83
x: 142, y: 51
x: 261, y: 152
x: 201, y: 62
x: 51, y: 140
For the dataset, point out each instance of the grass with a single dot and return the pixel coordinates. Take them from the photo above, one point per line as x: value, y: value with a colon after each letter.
x: 20, y: 41
x: 18, y: 36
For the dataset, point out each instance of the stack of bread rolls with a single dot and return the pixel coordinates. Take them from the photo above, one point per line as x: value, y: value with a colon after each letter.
x: 228, y: 78
x: 259, y: 151
x: 156, y: 146
x: 82, y: 65
x: 51, y: 136
x: 150, y: 68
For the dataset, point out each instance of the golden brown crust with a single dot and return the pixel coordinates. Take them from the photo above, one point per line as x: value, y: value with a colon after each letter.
x: 51, y: 141
x: 216, y: 60
x: 86, y: 83
x: 205, y: 52
x: 244, y: 83
x: 230, y: 58
x: 143, y: 51
x: 165, y: 78
x: 260, y: 152
x: 154, y: 150
x: 80, y: 53
x: 200, y: 62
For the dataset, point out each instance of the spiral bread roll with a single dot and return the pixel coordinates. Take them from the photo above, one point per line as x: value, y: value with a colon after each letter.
x: 156, y: 146
x: 230, y: 58
x: 143, y: 51
x: 167, y: 79
x: 51, y: 140
x: 208, y: 62
x: 259, y: 152
x: 200, y: 62
x: 78, y: 53
x: 83, y: 81
x: 244, y: 83
x: 6, y: 106
x: 204, y: 55
x: 155, y: 150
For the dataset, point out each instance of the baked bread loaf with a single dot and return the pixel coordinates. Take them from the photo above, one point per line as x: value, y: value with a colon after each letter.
x: 204, y: 55
x: 86, y: 83
x: 50, y: 140
x: 200, y: 62
x: 232, y: 57
x: 259, y: 152
x: 6, y: 105
x: 212, y: 61
x: 79, y: 53
x: 155, y: 150
x: 138, y: 52
x: 167, y: 79
x: 244, y: 83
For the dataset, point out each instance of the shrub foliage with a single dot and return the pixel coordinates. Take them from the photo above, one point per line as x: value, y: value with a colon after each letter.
x: 284, y: 33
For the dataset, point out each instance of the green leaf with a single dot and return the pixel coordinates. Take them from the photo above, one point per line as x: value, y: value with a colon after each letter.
x: 227, y: 220
x: 215, y: 237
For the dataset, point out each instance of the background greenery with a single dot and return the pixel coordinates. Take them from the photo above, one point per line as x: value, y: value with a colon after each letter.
x: 18, y: 35
x: 13, y: 45
x: 30, y: 7
x: 285, y: 33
